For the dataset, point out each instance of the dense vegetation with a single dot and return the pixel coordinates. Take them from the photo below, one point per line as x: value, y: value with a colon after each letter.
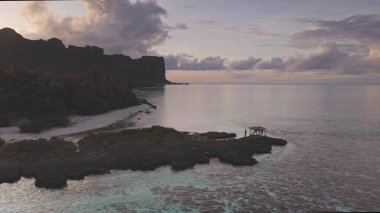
x: 36, y: 101
x: 2, y: 142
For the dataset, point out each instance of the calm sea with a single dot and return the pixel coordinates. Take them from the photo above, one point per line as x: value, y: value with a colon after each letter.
x: 332, y: 161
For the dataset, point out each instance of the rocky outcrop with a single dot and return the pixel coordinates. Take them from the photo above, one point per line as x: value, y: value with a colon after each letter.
x: 53, y: 56
x: 218, y: 135
x: 50, y: 179
x: 54, y: 162
x: 9, y: 172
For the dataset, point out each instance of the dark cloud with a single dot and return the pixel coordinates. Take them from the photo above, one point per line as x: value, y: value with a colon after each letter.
x: 349, y: 45
x: 180, y: 26
x: 187, y: 62
x: 171, y: 62
x: 361, y: 29
x: 273, y: 63
x: 357, y: 27
x: 132, y: 28
x: 246, y: 64
x: 328, y: 57
x: 208, y: 22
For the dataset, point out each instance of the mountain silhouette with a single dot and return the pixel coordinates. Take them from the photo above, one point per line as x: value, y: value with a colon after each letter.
x: 53, y: 56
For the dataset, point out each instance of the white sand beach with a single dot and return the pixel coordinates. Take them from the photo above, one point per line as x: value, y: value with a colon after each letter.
x: 79, y: 124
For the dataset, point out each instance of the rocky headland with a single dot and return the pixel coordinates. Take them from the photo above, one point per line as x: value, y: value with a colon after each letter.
x: 52, y: 162
x: 53, y: 56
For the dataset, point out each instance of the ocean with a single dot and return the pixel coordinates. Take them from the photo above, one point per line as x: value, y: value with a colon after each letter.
x: 331, y: 162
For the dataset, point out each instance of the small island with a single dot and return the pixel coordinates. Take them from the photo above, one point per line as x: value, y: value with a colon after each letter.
x: 53, y: 162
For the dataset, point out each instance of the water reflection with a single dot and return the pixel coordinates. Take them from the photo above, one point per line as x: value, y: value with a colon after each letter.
x: 332, y: 162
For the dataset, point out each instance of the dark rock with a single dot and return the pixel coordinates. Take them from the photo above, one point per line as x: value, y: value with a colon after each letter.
x: 237, y: 159
x: 144, y: 101
x: 75, y: 173
x: 55, y: 42
x: 75, y: 169
x: 147, y: 160
x: 28, y: 170
x: 50, y: 179
x: 9, y: 34
x: 188, y: 162
x: 219, y: 135
x: 9, y: 173
x: 97, y: 167
x: 41, y: 149
x: 52, y: 162
x: 277, y: 141
x: 119, y: 162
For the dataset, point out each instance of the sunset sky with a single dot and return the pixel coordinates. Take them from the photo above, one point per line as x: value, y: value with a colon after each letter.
x: 220, y: 41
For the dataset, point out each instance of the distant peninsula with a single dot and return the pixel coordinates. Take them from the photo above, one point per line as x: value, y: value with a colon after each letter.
x: 53, y: 56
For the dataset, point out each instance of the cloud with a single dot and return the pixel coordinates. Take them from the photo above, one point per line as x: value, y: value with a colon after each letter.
x: 208, y: 22
x: 251, y: 30
x: 329, y: 58
x: 187, y: 62
x: 246, y: 64
x: 360, y: 29
x: 326, y: 56
x: 272, y: 64
x: 179, y: 26
x: 171, y: 62
x: 217, y: 63
x: 346, y: 46
x: 132, y: 28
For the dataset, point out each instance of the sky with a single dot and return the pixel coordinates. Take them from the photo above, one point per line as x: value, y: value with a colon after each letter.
x: 220, y: 41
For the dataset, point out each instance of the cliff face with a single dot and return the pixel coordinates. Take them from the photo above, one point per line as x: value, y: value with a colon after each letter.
x: 53, y: 56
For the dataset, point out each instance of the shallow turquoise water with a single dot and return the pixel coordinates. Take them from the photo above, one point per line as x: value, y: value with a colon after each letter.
x: 332, y: 161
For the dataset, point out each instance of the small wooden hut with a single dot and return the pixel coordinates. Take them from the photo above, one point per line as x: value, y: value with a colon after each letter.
x: 257, y: 130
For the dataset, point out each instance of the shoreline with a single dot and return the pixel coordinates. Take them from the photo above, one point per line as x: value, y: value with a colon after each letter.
x: 79, y: 125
